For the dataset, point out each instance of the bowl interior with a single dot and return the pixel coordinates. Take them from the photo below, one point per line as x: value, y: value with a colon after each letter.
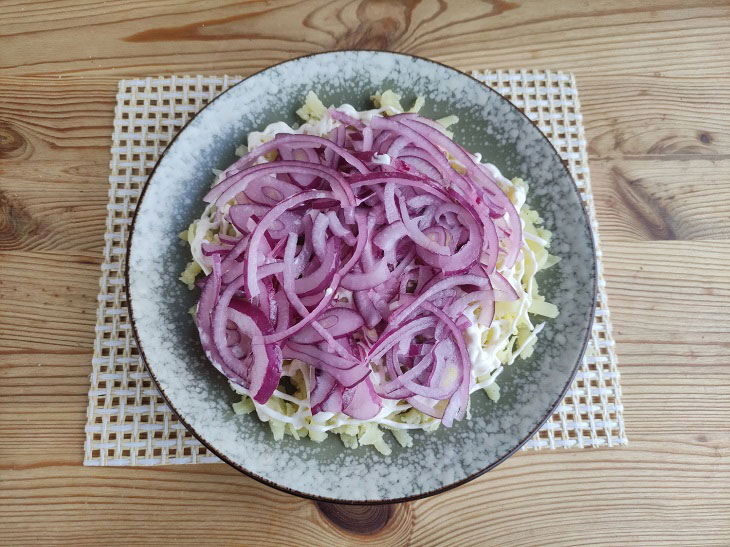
x: 202, y: 398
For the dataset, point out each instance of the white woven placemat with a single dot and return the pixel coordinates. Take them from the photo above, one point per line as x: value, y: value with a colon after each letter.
x: 128, y: 420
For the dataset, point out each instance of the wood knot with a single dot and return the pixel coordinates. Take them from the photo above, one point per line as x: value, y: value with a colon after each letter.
x: 382, y: 34
x: 380, y: 25
x: 500, y: 6
x: 12, y: 143
x: 705, y: 138
x: 16, y: 223
x: 357, y: 519
x: 651, y: 212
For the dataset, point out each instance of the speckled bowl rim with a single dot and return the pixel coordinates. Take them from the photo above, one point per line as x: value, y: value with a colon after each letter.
x: 421, y: 495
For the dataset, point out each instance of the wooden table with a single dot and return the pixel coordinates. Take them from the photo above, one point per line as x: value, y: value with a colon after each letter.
x: 654, y: 80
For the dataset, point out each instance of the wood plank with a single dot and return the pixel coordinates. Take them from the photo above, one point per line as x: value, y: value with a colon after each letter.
x: 652, y: 480
x: 672, y: 38
x: 70, y: 218
x: 49, y: 300
x: 649, y: 118
x: 652, y: 199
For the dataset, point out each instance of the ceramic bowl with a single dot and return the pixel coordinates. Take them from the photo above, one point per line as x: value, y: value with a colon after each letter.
x: 202, y: 398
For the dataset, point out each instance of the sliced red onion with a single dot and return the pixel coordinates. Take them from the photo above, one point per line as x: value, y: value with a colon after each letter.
x: 333, y: 402
x: 367, y: 310
x: 263, y: 368
x: 346, y: 119
x: 238, y: 181
x: 367, y: 280
x: 401, y: 379
x: 339, y: 230
x: 338, y: 321
x: 283, y: 311
x: 270, y: 190
x: 321, y: 278
x: 362, y: 236
x: 503, y: 289
x: 367, y: 138
x: 325, y: 393
x: 432, y: 411
x: 258, y: 233
x: 422, y: 165
x: 361, y: 402
x: 515, y: 237
x: 294, y: 140
x: 322, y: 356
x: 319, y: 234
x: 393, y: 336
x: 415, y: 241
x: 302, y: 154
x: 209, y: 249
x: 267, y: 302
x: 399, y: 129
x: 402, y: 314
x: 388, y: 237
x: 206, y: 303
x: 456, y: 408
x: 347, y: 377
x: 304, y: 320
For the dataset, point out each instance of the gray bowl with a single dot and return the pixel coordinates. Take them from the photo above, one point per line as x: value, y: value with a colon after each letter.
x: 202, y: 398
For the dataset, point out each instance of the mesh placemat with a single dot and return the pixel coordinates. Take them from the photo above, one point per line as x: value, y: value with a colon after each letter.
x: 128, y: 420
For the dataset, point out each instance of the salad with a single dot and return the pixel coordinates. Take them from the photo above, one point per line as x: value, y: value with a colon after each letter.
x: 363, y: 273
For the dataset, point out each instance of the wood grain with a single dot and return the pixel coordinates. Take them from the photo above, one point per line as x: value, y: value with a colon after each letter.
x: 653, y: 79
